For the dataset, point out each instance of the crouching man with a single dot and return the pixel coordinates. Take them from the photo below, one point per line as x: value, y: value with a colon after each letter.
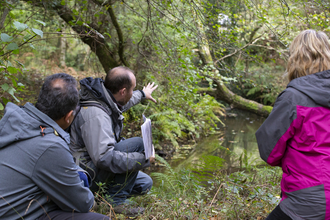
x: 39, y: 179
x: 96, y: 140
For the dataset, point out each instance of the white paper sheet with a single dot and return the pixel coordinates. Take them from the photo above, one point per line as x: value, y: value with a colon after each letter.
x: 149, y: 149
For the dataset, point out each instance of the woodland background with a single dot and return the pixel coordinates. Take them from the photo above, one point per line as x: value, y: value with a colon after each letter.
x: 206, y: 56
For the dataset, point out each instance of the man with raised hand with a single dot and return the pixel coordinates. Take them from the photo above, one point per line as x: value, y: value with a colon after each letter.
x: 96, y: 140
x: 39, y: 179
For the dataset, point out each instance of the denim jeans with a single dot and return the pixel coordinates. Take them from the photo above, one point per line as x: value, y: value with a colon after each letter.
x: 121, y: 186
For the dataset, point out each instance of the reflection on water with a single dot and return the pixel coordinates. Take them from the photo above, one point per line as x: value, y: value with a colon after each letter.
x: 235, y: 146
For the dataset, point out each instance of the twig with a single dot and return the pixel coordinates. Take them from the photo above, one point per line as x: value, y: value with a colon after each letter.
x: 145, y: 108
x: 216, y: 194
x: 39, y: 205
x: 12, y: 207
x: 229, y: 55
x: 108, y: 205
x: 20, y: 45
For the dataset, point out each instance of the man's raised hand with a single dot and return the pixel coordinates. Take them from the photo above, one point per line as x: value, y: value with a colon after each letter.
x: 148, y: 91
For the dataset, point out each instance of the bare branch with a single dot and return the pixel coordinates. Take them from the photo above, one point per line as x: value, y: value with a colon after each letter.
x: 242, y: 48
x: 108, y: 6
x: 28, y: 41
x: 119, y: 33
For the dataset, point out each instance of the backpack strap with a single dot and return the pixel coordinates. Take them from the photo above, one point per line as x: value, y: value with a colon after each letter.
x: 95, y: 104
x: 99, y: 105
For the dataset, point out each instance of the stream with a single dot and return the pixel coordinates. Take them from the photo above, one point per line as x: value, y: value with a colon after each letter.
x: 233, y: 148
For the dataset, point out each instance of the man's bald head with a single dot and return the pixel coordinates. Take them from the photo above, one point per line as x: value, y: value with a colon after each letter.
x: 118, y: 78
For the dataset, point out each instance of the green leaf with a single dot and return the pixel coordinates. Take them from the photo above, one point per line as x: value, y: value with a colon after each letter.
x: 41, y: 22
x: 16, y: 51
x: 80, y: 23
x: 1, y: 106
x: 12, y: 70
x: 11, y: 91
x: 6, y: 38
x: 20, y: 63
x: 37, y: 31
x: 63, y: 2
x: 5, y: 87
x: 20, y: 26
x: 14, y: 82
x: 107, y: 34
x: 12, y: 46
x: 20, y: 84
x: 27, y: 36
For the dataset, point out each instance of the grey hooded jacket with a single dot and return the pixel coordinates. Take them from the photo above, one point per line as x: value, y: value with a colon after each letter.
x: 96, y: 132
x: 37, y: 170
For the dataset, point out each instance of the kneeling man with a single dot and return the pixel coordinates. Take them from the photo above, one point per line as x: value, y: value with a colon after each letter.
x: 39, y: 179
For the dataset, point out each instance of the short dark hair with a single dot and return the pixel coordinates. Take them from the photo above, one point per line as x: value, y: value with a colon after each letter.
x: 56, y: 100
x: 118, y: 78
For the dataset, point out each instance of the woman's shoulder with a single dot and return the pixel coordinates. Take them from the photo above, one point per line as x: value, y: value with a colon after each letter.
x: 293, y: 97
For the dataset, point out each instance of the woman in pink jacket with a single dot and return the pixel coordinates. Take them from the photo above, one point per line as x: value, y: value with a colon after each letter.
x: 296, y: 135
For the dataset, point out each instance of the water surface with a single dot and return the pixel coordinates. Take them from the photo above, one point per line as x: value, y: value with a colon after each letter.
x: 234, y: 147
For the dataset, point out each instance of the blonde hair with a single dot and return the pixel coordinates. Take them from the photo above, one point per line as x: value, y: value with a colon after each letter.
x: 309, y: 54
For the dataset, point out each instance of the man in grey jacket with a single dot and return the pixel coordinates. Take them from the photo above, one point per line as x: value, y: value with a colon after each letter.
x: 96, y: 136
x: 39, y: 179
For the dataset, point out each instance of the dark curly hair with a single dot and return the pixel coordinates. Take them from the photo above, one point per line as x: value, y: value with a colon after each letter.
x: 58, y: 96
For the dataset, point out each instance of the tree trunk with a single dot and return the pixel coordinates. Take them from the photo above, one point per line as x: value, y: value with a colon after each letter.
x: 5, y: 12
x: 89, y: 34
x: 236, y: 101
x: 62, y: 51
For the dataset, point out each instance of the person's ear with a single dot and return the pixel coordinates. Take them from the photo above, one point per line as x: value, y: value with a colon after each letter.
x: 68, y: 116
x: 122, y: 91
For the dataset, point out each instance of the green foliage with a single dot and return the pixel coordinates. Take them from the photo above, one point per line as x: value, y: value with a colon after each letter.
x: 16, y: 32
x: 262, y: 86
x: 206, y: 166
x: 246, y: 194
x: 201, y: 119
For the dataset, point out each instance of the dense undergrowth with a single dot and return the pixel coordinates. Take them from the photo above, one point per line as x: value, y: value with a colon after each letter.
x: 250, y: 193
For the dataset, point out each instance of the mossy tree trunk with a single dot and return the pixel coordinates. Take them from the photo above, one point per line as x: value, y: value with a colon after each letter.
x: 236, y: 101
x: 221, y: 92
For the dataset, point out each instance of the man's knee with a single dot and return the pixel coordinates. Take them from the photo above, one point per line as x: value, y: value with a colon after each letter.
x: 146, y: 184
x: 139, y: 143
x: 149, y: 184
x: 134, y: 144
